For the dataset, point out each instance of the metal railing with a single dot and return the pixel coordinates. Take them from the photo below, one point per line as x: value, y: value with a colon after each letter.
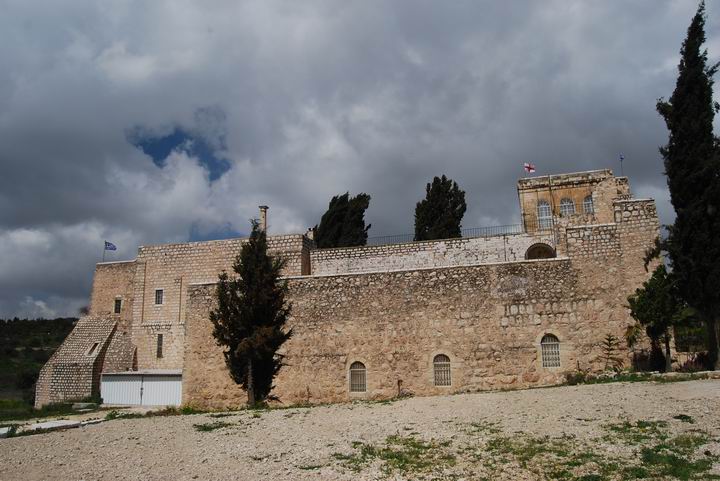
x: 492, y: 231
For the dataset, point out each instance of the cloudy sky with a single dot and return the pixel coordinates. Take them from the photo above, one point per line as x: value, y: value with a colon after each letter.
x: 145, y: 122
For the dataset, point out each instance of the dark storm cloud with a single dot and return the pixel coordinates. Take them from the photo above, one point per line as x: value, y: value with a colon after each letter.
x: 305, y: 100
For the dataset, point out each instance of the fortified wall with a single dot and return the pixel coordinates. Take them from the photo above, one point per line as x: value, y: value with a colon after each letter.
x: 486, y: 304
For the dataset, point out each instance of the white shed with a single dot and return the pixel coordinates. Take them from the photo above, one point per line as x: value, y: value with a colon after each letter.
x: 142, y: 388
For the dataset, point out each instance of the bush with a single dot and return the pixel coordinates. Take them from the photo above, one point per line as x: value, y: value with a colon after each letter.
x: 575, y: 377
x: 697, y: 362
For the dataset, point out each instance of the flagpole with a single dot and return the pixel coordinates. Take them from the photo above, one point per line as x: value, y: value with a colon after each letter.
x: 103, y: 256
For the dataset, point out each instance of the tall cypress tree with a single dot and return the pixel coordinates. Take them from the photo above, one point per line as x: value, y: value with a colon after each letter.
x: 250, y: 317
x: 440, y: 214
x: 692, y: 166
x: 343, y: 224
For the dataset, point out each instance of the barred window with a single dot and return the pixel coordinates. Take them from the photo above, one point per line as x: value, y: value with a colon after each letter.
x: 567, y: 207
x: 441, y: 368
x: 159, y: 296
x: 588, y: 206
x: 118, y: 305
x: 544, y: 215
x: 159, y: 352
x: 358, y: 379
x: 550, y: 346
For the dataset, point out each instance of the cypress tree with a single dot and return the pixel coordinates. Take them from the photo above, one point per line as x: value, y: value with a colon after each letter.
x: 692, y: 166
x: 343, y: 224
x: 250, y: 317
x: 440, y: 214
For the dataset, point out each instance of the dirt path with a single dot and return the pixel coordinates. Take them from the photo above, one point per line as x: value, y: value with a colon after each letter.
x: 584, y: 432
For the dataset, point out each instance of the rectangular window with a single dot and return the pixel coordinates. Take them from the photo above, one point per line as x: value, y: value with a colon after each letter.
x: 158, y: 297
x: 118, y: 305
x: 159, y: 352
x: 92, y: 349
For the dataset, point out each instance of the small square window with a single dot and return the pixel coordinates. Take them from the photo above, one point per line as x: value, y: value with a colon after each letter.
x: 118, y: 305
x: 159, y: 352
x: 158, y: 296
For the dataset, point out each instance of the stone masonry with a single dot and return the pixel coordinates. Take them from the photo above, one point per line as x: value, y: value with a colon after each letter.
x: 479, y: 301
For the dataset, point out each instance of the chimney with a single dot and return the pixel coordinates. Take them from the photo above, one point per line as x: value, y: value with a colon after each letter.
x: 263, y: 218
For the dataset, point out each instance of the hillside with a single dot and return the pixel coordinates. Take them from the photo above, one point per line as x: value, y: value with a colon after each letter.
x: 25, y: 345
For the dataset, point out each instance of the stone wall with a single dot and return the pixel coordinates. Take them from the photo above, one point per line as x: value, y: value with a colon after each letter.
x: 488, y: 319
x: 113, y: 280
x: 427, y: 254
x: 169, y: 267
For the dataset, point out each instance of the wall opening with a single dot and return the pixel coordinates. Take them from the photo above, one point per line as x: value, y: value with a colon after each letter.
x: 540, y: 251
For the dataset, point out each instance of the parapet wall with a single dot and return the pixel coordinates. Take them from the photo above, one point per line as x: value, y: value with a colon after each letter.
x: 421, y: 255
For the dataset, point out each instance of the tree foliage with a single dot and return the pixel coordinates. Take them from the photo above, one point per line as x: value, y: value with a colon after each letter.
x: 656, y: 307
x: 343, y: 224
x: 692, y: 165
x: 440, y: 214
x: 250, y: 317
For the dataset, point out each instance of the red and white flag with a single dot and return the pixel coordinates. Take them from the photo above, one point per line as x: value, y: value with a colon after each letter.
x: 529, y: 168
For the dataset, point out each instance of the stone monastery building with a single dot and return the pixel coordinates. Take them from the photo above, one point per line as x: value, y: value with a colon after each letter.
x: 498, y: 308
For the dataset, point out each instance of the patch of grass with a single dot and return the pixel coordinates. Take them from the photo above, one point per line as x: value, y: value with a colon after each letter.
x: 311, y: 467
x: 207, y: 427
x: 220, y: 415
x: 638, y: 432
x: 404, y: 454
x: 684, y: 418
x: 115, y: 414
x: 256, y: 415
x: 15, y: 410
x: 484, y: 427
x: 665, y: 462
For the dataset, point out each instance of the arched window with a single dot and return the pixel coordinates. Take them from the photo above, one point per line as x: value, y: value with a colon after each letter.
x: 550, y: 347
x: 441, y: 368
x: 567, y: 207
x: 544, y: 215
x: 540, y: 251
x: 358, y: 379
x: 588, y: 206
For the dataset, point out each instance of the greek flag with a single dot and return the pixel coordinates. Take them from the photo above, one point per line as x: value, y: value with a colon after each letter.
x: 109, y: 246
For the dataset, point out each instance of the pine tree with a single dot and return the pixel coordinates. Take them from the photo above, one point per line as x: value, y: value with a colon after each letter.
x: 440, y: 214
x: 692, y: 165
x: 250, y: 317
x: 343, y: 224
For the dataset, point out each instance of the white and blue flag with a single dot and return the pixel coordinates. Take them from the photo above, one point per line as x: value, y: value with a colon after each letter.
x: 109, y: 246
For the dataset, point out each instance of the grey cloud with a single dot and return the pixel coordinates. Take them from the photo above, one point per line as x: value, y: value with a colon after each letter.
x: 307, y: 99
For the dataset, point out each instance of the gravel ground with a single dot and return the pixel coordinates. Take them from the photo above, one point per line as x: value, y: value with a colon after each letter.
x: 467, y: 436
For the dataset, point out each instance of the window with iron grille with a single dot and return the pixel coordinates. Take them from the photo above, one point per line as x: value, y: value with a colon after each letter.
x: 118, y: 305
x: 567, y: 207
x: 550, y: 346
x: 358, y: 378
x: 588, y: 206
x: 159, y: 296
x: 544, y: 215
x: 441, y: 368
x: 159, y: 352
